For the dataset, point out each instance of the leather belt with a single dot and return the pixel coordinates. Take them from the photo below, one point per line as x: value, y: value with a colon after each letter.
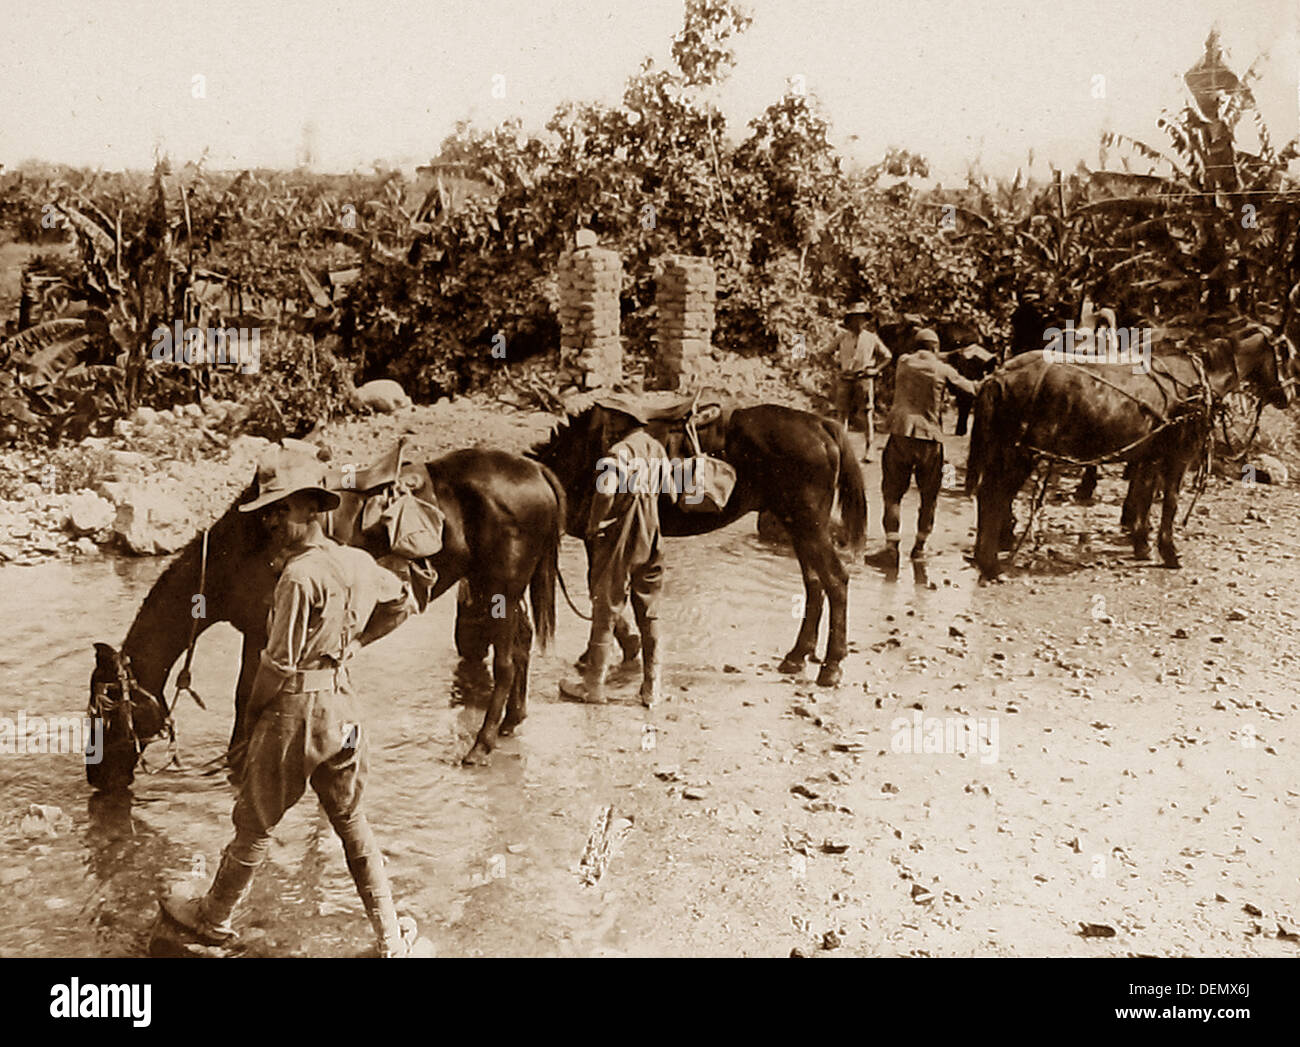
x: 327, y: 679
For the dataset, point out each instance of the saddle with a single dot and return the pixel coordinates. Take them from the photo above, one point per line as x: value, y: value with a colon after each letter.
x: 688, y: 430
x: 400, y: 518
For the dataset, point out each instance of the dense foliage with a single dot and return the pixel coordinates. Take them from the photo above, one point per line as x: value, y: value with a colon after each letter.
x: 364, y: 276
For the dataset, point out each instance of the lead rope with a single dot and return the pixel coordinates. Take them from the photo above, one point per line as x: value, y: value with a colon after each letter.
x: 183, y: 679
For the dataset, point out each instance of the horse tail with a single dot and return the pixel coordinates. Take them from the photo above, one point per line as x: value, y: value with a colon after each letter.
x: 541, y: 587
x: 982, y: 443
x: 852, y: 491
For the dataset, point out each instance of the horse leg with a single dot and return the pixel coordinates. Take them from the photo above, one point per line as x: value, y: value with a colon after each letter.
x: 516, y: 710
x: 1015, y: 479
x: 1128, y: 514
x: 472, y: 625
x: 1173, y: 480
x: 806, y: 642
x: 835, y: 583
x: 1087, y: 484
x: 1141, y: 490
x: 503, y: 675
x: 964, y: 404
x: 993, y: 508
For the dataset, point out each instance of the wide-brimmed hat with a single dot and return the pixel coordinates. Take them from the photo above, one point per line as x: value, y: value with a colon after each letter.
x: 625, y: 404
x: 858, y: 309
x: 925, y: 336
x: 286, y: 473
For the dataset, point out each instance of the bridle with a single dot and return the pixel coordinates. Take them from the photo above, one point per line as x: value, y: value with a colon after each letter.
x: 103, y: 704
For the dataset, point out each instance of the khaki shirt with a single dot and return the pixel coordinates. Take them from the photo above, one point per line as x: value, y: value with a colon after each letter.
x: 323, y: 600
x: 920, y: 381
x: 860, y: 352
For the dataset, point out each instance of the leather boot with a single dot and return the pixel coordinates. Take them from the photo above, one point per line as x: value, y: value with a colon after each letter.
x: 377, y: 897
x: 208, y: 918
x: 592, y: 687
x: 628, y: 641
x: 652, y: 665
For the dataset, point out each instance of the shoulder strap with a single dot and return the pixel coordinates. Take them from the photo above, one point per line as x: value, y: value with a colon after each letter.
x: 335, y: 569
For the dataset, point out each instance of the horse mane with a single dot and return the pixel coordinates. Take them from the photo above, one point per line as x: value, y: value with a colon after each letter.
x: 191, y: 549
x: 570, y: 430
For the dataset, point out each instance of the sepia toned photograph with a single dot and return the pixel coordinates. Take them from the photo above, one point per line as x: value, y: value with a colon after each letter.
x: 694, y: 478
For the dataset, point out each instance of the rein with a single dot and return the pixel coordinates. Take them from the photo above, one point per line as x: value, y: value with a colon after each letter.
x: 183, y: 680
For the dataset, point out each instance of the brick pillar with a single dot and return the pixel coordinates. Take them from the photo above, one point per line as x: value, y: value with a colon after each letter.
x: 685, y: 291
x: 590, y: 279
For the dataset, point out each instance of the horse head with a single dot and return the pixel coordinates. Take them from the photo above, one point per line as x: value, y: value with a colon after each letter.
x: 571, y: 452
x: 1279, y: 366
x: 126, y: 717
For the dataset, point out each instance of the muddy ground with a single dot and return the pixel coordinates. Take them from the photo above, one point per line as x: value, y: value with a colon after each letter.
x: 1132, y: 791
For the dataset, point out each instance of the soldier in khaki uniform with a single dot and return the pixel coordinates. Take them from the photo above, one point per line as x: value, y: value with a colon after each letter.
x: 305, y: 724
x: 915, y: 442
x: 860, y: 356
x: 623, y: 551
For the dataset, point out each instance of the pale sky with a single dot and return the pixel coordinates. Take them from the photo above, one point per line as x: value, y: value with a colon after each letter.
x: 102, y: 83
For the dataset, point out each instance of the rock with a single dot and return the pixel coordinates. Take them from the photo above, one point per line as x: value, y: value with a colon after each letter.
x: 246, y: 446
x: 1270, y: 470
x: 585, y: 238
x: 1096, y: 930
x: 13, y: 875
x: 150, y: 523
x: 127, y: 460
x: 383, y: 395
x: 85, y: 546
x: 192, y: 411
x: 802, y: 790
x: 145, y: 416
x: 305, y: 447
x: 830, y: 940
x: 693, y: 792
x: 1236, y: 615
x: 44, y: 820
x: 114, y: 491
x: 87, y: 513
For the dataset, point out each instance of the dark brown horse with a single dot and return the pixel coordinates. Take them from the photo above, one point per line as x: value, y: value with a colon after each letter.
x: 789, y: 462
x: 1157, y: 421
x: 502, y: 531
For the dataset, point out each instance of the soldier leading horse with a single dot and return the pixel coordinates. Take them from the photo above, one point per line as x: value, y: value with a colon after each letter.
x: 789, y: 462
x: 503, y: 520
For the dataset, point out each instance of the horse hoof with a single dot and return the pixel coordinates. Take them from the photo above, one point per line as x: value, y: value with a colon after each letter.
x: 479, y: 756
x: 508, y: 727
x: 830, y: 675
x: 790, y: 665
x: 1142, y: 553
x: 1171, y: 561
